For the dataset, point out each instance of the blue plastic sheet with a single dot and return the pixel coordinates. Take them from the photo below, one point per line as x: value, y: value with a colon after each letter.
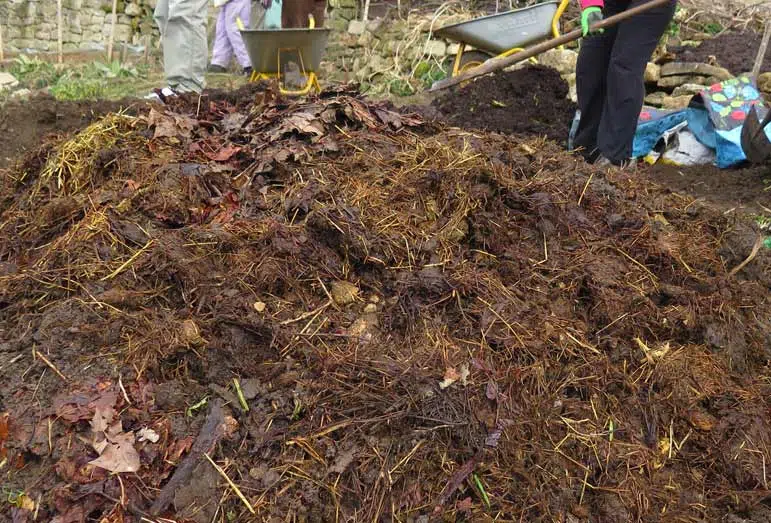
x: 716, y: 117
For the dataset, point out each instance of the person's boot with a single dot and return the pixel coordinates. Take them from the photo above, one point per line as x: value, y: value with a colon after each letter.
x: 214, y: 68
x: 604, y: 162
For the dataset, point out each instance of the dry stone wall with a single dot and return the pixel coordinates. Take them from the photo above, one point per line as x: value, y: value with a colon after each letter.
x: 86, y: 24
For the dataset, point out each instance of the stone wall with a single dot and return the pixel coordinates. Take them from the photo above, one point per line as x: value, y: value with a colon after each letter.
x: 31, y: 24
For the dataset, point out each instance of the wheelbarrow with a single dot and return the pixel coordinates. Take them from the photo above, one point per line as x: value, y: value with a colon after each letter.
x: 756, y: 136
x: 292, y: 56
x: 503, y: 34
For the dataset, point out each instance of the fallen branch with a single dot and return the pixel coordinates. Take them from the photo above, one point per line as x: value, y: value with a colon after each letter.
x: 212, y: 431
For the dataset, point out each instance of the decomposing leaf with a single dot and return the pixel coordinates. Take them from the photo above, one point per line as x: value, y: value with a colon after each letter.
x: 344, y: 460
x: 494, y: 437
x: 224, y: 154
x: 22, y: 501
x: 190, y: 334
x: 103, y: 418
x: 702, y: 420
x: 170, y: 125
x: 390, y: 118
x: 148, y: 434
x: 81, y: 405
x: 491, y: 391
x: 450, y: 376
x: 259, y: 306
x: 464, y: 374
x: 301, y: 122
x: 464, y: 505
x: 344, y: 292
x: 118, y: 455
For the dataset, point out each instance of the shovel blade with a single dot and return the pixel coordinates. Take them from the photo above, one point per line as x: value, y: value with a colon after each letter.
x: 755, y: 143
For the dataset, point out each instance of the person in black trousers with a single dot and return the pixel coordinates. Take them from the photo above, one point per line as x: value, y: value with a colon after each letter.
x: 610, y: 77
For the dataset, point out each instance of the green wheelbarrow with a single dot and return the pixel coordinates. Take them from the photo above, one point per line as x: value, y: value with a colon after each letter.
x: 503, y: 34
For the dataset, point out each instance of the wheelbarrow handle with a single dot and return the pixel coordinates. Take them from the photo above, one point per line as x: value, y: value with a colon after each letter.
x: 495, y: 64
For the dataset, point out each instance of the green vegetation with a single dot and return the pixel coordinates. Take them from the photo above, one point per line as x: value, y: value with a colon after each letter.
x: 76, y: 82
x: 713, y: 28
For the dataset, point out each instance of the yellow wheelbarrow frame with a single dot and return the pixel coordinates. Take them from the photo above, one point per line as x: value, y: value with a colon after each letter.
x: 458, y: 68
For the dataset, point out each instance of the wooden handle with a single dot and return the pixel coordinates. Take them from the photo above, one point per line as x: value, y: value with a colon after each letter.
x: 761, y: 51
x: 495, y: 64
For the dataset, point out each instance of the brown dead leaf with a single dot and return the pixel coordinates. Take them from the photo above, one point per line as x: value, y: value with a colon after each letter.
x: 301, y: 122
x: 451, y: 375
x: 75, y: 514
x: 103, y: 417
x: 464, y: 505
x: 81, y: 405
x: 224, y: 154
x: 170, y: 125
x: 390, y: 118
x: 118, y: 455
x: 702, y: 420
x: 491, y: 391
x: 179, y: 447
x: 344, y: 460
x: 164, y: 125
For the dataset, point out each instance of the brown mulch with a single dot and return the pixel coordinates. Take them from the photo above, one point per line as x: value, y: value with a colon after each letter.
x: 362, y: 317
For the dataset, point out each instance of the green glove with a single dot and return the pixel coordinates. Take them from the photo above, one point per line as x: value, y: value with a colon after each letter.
x: 589, y: 17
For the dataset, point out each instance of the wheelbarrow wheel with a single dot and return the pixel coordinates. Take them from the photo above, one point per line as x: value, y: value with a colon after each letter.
x: 469, y: 60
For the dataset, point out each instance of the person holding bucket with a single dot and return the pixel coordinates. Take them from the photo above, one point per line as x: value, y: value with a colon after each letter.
x: 610, y: 77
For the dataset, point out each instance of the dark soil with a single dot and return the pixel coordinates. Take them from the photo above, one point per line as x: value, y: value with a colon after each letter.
x: 734, y: 51
x: 530, y: 101
x: 24, y: 125
x: 363, y: 318
x: 743, y: 190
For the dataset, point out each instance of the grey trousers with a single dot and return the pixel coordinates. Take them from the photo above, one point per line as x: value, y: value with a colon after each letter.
x: 183, y: 35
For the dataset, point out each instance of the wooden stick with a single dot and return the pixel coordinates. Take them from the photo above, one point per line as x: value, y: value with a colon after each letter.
x: 111, y: 41
x: 761, y: 51
x: 495, y: 64
x: 232, y: 485
x: 753, y: 253
x: 59, y: 30
x: 50, y: 365
x: 2, y: 53
x: 366, y: 10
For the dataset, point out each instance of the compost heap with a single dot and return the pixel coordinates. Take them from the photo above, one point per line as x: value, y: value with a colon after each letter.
x: 532, y: 100
x: 360, y: 317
